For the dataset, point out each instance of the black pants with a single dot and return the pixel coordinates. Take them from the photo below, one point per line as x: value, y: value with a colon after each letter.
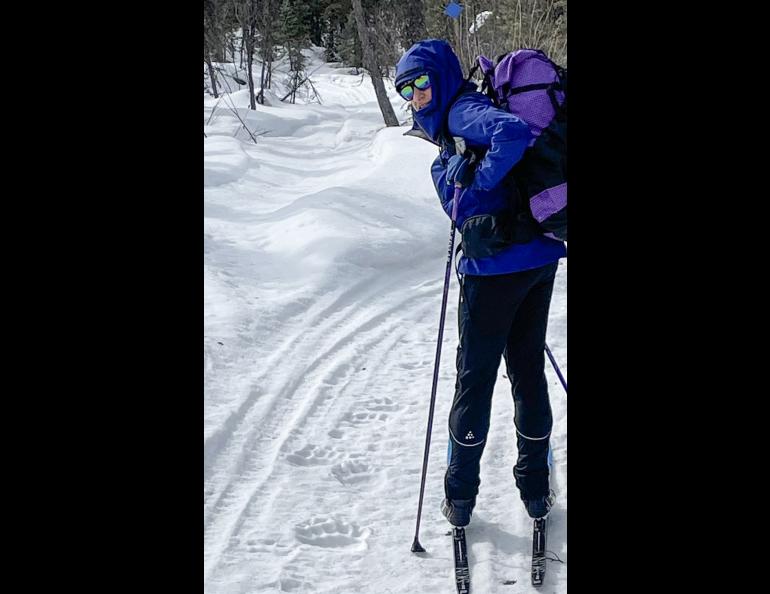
x: 502, y: 315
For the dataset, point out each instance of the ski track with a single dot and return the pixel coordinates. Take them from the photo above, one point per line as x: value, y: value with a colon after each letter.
x: 323, y: 391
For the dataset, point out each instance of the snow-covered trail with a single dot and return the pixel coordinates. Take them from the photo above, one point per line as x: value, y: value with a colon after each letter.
x: 325, y: 248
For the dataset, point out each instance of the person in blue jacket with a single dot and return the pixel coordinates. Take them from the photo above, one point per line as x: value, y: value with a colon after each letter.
x: 507, y: 274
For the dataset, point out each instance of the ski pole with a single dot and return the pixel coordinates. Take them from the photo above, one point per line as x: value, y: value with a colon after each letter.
x: 556, y: 367
x: 416, y: 546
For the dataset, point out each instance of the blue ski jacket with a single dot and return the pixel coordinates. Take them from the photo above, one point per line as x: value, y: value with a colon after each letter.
x: 456, y: 106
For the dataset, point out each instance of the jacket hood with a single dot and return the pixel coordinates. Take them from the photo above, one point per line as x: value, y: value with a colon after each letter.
x: 435, y: 57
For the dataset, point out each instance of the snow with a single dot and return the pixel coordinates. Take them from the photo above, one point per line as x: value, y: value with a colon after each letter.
x: 325, y: 250
x: 481, y: 18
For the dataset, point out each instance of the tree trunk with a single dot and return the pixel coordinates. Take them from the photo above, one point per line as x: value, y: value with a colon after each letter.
x: 458, y: 48
x: 261, y: 98
x: 249, y: 38
x: 493, y: 53
x: 371, y: 65
x: 470, y: 39
x: 212, y: 76
x: 477, y: 36
x: 265, y: 23
x: 249, y: 75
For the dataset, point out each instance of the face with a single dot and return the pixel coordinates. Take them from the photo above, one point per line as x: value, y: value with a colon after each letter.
x: 421, y: 98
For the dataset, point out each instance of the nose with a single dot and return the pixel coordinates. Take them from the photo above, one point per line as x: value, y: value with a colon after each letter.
x: 419, y: 94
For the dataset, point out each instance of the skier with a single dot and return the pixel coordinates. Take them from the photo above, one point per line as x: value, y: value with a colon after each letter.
x: 506, y: 273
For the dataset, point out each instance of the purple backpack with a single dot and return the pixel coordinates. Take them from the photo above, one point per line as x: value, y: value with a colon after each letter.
x: 529, y: 85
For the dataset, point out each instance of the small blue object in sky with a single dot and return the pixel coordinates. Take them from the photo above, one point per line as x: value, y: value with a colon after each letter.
x: 453, y: 9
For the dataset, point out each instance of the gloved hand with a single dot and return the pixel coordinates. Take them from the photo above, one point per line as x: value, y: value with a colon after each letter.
x: 459, y: 171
